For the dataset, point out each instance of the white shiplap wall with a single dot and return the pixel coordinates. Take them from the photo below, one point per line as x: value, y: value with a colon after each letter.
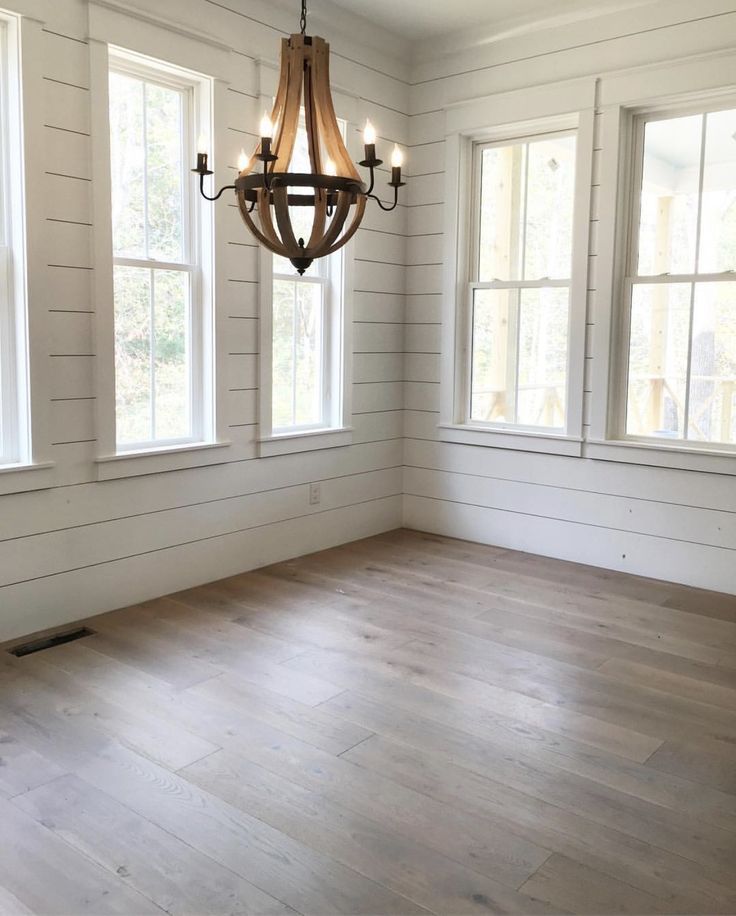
x: 84, y: 546
x: 671, y: 524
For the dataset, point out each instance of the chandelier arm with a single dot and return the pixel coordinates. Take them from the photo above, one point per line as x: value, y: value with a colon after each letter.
x: 373, y: 181
x: 228, y: 187
x: 380, y: 203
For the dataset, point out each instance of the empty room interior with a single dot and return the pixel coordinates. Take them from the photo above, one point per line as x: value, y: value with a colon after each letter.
x: 367, y: 457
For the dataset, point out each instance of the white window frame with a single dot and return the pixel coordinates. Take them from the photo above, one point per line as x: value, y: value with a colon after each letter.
x: 619, y: 203
x: 121, y: 460
x: 463, y: 188
x: 190, y: 89
x: 631, y: 278
x: 26, y: 465
x: 335, y: 276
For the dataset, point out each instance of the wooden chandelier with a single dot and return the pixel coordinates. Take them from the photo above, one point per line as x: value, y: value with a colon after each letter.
x: 333, y: 188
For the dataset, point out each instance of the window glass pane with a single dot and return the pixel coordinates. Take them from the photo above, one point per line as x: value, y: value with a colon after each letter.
x: 718, y: 217
x: 501, y: 203
x: 542, y: 362
x: 669, y: 196
x: 127, y: 166
x: 526, y: 210
x: 549, y: 208
x: 171, y: 354
x: 712, y: 408
x: 492, y: 374
x: 658, y: 356
x: 297, y: 353
x: 133, y: 354
x: 164, y: 174
x: 146, y: 169
x: 152, y: 359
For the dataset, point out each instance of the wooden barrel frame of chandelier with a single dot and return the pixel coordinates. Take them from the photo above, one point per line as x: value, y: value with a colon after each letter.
x: 339, y: 192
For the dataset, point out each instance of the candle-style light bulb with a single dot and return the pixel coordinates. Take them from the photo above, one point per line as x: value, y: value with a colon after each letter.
x: 397, y: 159
x: 202, y: 155
x: 330, y: 168
x: 369, y: 143
x: 242, y: 160
x: 266, y: 127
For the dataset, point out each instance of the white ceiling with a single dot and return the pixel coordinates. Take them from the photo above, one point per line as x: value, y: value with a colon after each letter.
x: 421, y: 19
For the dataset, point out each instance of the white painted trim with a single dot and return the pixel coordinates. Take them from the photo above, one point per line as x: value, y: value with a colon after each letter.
x: 166, y: 458
x: 21, y: 478
x: 516, y: 439
x: 635, y: 451
x: 33, y: 222
x: 207, y: 289
x: 461, y: 189
x: 102, y: 279
x: 125, y: 25
x: 305, y: 441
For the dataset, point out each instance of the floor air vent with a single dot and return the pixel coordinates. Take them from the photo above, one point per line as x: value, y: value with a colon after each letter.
x: 58, y: 639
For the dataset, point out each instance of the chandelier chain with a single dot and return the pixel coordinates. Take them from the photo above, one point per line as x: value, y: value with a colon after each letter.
x: 303, y: 18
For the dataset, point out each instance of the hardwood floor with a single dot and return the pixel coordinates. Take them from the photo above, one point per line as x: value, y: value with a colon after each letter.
x: 407, y: 724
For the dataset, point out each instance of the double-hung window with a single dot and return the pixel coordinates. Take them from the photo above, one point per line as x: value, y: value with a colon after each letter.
x: 162, y: 304
x: 680, y: 286
x: 520, y: 280
x: 14, y: 432
x: 307, y: 340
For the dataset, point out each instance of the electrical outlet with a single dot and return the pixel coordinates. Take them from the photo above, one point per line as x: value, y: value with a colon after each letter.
x: 315, y: 494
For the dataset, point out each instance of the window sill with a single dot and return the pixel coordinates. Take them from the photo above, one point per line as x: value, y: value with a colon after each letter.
x: 156, y: 461
x: 663, y: 455
x: 18, y: 478
x: 514, y: 439
x: 307, y: 441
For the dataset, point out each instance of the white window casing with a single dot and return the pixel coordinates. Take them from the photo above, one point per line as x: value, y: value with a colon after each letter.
x: 462, y: 282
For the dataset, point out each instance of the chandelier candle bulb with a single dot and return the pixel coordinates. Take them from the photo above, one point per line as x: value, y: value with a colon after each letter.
x: 397, y: 160
x: 369, y: 141
x: 266, y: 131
x: 201, y: 154
x: 242, y: 160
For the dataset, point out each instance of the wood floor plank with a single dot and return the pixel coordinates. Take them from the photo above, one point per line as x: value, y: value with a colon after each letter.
x: 405, y: 724
x: 158, y: 865
x: 284, y: 868
x: 412, y: 869
x: 436, y: 724
x: 563, y: 828
x: 564, y: 882
x: 47, y: 876
x: 355, y: 670
x: 21, y: 768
